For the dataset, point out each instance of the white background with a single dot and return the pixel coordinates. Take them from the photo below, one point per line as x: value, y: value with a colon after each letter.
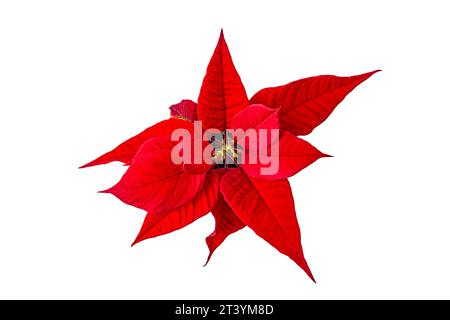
x: 79, y: 77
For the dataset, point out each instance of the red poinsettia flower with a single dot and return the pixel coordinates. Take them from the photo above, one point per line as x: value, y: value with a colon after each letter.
x: 237, y: 192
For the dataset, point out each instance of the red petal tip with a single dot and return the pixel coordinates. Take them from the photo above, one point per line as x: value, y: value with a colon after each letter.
x: 105, y: 191
x: 137, y: 240
x: 367, y: 75
x: 207, y: 260
x: 308, y: 272
x: 85, y: 166
x: 221, y: 37
x: 210, y: 252
x: 304, y: 265
x: 373, y: 72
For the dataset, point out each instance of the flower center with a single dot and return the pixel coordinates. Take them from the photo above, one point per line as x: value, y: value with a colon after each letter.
x: 225, y: 152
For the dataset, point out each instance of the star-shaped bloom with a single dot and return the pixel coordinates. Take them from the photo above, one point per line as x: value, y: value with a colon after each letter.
x: 248, y: 150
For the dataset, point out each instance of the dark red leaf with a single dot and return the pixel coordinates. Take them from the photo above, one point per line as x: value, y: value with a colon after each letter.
x: 306, y: 103
x: 267, y: 207
x: 126, y: 151
x: 153, y: 182
x: 166, y: 222
x: 222, y: 94
x: 185, y: 110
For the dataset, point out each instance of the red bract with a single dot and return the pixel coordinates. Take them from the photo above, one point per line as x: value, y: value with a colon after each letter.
x: 176, y: 193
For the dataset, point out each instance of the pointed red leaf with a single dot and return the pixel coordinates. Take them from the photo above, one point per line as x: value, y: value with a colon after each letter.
x: 256, y: 116
x: 200, y: 161
x: 222, y: 94
x: 227, y: 222
x: 267, y: 207
x: 293, y: 155
x: 153, y: 182
x: 166, y: 222
x: 126, y: 151
x: 185, y: 110
x: 306, y: 103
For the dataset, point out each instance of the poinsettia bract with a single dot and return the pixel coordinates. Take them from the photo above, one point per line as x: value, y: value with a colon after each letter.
x: 249, y: 148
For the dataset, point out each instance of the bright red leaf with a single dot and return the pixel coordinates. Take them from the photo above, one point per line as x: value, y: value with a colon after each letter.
x: 306, y: 103
x: 158, y: 224
x: 256, y: 116
x: 198, y: 163
x: 293, y: 154
x: 222, y: 94
x: 153, y: 182
x: 267, y: 207
x: 226, y: 224
x: 126, y: 151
